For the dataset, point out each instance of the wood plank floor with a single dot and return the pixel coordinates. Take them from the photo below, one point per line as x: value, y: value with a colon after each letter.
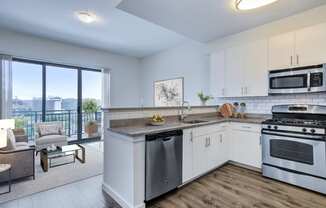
x: 227, y: 187
x: 236, y: 187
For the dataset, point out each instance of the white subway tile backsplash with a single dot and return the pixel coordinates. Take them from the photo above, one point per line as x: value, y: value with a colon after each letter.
x: 264, y: 104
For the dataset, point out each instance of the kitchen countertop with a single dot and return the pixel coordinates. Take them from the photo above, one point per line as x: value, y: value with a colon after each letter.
x: 139, y: 130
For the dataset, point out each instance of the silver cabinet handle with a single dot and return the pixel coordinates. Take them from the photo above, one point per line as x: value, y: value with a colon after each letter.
x: 241, y: 90
x: 223, y: 91
x: 297, y: 59
x: 291, y: 60
x: 246, y: 127
x: 221, y: 138
x: 209, y: 141
x: 260, y: 139
x: 191, y: 136
x: 246, y: 90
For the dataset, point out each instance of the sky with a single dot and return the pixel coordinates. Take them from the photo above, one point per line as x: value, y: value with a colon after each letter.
x: 61, y: 82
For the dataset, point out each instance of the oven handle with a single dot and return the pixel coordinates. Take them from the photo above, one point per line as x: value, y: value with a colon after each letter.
x: 294, y: 135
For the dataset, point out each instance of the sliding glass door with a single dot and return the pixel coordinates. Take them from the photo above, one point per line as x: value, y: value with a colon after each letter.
x: 45, y: 92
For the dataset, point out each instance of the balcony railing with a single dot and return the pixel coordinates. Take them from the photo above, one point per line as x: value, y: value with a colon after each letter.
x: 69, y: 119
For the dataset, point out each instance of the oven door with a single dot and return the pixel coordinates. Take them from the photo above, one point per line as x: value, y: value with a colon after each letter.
x: 296, y: 152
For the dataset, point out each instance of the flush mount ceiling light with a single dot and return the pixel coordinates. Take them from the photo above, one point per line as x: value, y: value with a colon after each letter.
x: 86, y: 16
x: 251, y: 4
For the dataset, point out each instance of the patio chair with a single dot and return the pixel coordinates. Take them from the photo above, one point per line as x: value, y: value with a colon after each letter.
x: 49, y: 134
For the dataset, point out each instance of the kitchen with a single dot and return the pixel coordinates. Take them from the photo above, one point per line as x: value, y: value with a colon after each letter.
x: 190, y: 104
x: 275, y: 71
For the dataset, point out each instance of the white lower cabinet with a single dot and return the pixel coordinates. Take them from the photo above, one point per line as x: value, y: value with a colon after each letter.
x: 205, y: 148
x: 222, y: 153
x: 246, y: 145
x: 187, y: 156
x: 201, y: 158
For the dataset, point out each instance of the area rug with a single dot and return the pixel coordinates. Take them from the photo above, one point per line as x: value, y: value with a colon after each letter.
x: 59, y: 176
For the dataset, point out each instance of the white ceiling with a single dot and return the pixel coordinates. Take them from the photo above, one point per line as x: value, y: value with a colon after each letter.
x: 205, y: 20
x: 139, y: 27
x: 117, y: 31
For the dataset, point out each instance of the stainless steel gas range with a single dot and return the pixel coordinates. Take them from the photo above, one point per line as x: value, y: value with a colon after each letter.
x: 294, y: 146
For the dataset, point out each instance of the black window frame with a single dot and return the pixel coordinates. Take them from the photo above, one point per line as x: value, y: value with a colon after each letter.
x: 79, y: 69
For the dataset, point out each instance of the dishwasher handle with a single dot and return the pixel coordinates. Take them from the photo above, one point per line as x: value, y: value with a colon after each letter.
x: 167, y: 139
x: 165, y: 136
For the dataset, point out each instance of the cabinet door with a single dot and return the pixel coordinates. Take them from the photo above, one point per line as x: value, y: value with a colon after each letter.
x: 187, y: 155
x: 256, y: 68
x: 199, y: 155
x: 281, y: 51
x: 234, y: 72
x: 310, y: 46
x: 212, y: 151
x: 246, y: 148
x: 223, y: 148
x: 217, y: 74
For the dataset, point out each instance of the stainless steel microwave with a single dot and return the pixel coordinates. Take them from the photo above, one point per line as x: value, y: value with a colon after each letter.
x: 298, y: 80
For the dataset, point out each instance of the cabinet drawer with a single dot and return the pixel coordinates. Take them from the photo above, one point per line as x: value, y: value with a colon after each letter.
x: 246, y: 127
x: 204, y: 130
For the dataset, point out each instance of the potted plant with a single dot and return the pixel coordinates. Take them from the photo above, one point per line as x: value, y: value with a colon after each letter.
x: 204, y: 98
x: 90, y: 107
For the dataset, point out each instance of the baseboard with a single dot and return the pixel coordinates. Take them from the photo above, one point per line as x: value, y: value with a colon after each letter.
x: 245, y: 166
x: 113, y: 194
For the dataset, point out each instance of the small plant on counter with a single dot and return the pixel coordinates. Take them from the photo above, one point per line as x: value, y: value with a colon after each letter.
x: 204, y: 98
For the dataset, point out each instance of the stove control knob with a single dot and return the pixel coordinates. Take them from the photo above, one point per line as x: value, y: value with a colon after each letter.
x: 304, y: 130
x: 312, y: 131
x: 269, y: 126
x: 275, y: 127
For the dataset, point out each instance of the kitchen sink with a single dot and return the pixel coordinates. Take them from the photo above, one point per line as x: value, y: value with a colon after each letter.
x: 194, y: 121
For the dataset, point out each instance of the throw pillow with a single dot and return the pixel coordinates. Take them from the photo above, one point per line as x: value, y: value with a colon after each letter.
x: 49, y: 129
x: 11, y: 141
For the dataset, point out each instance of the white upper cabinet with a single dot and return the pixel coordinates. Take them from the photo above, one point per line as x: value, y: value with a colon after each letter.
x: 234, y: 71
x: 281, y: 51
x: 255, y: 64
x: 310, y: 48
x: 303, y: 47
x: 217, y: 74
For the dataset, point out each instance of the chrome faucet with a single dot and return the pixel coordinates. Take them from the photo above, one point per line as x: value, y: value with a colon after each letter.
x: 182, y: 114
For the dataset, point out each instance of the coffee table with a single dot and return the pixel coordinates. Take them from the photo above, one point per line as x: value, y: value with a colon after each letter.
x: 73, y: 151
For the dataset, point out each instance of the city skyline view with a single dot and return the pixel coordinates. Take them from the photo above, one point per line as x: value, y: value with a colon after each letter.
x: 60, y: 82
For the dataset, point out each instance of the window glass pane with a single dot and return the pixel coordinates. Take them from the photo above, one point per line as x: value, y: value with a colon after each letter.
x: 91, y: 93
x: 27, y: 95
x: 61, y: 98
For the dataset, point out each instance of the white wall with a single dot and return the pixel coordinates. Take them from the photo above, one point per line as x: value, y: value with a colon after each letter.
x: 124, y: 74
x: 188, y: 60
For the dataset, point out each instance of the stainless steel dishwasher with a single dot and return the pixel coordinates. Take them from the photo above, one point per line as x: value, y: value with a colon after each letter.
x: 163, y: 163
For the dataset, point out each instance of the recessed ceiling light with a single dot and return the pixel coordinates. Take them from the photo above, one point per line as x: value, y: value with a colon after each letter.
x: 252, y: 4
x: 86, y: 16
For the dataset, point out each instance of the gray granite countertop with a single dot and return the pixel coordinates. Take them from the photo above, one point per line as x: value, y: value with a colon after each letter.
x: 139, y: 130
